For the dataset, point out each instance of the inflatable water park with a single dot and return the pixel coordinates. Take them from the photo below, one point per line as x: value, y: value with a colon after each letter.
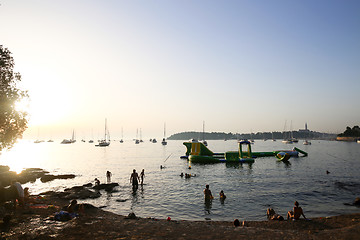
x: 197, y: 152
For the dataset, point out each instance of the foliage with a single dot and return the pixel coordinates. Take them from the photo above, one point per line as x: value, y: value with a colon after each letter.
x: 12, y: 122
x: 351, y: 132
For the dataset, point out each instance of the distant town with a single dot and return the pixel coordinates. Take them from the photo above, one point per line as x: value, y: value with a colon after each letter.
x: 300, y: 134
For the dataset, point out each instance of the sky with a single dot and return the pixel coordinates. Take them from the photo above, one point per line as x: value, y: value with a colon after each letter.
x: 239, y: 66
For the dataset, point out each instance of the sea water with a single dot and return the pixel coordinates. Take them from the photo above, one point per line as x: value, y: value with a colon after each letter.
x: 250, y: 188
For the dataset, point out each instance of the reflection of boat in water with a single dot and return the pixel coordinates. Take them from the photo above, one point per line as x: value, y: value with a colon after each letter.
x: 106, y: 141
x: 197, y: 152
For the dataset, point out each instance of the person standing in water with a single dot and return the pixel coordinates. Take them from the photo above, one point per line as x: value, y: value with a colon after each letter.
x: 108, y: 176
x: 142, y: 175
x: 134, y: 179
x: 207, y: 193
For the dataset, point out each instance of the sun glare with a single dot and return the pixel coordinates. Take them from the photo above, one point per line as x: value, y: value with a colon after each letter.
x: 18, y: 157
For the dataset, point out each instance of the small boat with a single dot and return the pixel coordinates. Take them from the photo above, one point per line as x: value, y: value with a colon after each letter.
x: 306, y: 142
x: 66, y: 141
x: 106, y: 141
x: 91, y: 141
x: 154, y: 140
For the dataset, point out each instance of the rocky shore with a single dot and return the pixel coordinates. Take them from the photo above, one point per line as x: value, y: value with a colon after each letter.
x: 95, y: 223
x: 37, y: 221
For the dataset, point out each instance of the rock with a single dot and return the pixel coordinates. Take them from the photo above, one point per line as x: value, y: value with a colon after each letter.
x: 357, y: 201
x: 106, y: 186
x: 82, y: 194
x: 131, y: 216
x: 47, y: 178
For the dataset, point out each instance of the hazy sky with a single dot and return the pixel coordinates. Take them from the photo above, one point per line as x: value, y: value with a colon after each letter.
x: 240, y: 66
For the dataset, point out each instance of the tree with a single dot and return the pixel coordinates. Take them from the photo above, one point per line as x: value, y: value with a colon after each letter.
x: 12, y: 122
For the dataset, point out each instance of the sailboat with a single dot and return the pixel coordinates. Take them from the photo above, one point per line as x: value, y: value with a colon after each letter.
x: 164, y: 139
x: 106, y: 141
x: 203, y: 137
x: 286, y: 140
x: 137, y: 140
x: 122, y: 136
x: 68, y: 141
x: 272, y: 135
x: 141, y: 136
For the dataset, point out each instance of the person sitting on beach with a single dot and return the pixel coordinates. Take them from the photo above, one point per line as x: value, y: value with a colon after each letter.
x: 207, y: 193
x: 20, y: 193
x: 134, y: 178
x: 222, y: 195
x: 296, y: 213
x: 74, y: 207
x: 97, y: 182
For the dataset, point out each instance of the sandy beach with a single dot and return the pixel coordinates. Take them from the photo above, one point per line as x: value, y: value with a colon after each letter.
x: 95, y: 223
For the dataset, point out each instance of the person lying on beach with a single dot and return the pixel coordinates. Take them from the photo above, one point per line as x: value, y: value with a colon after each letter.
x: 296, y: 213
x: 272, y: 215
x: 207, y: 193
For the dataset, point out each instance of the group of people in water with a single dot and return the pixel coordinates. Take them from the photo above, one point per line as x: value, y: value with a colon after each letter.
x: 294, y: 214
x: 134, y: 178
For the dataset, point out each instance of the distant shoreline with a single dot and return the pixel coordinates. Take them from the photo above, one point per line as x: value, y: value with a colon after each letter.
x: 348, y: 139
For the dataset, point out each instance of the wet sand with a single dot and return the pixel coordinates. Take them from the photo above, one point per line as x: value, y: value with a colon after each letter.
x: 36, y: 223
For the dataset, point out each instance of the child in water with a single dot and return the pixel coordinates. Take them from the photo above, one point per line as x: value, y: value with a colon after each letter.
x: 222, y: 195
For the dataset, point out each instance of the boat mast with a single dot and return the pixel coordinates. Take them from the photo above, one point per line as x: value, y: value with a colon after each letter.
x: 164, y: 130
x: 203, y: 131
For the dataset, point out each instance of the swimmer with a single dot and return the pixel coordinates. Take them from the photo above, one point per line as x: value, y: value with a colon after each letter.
x: 181, y: 174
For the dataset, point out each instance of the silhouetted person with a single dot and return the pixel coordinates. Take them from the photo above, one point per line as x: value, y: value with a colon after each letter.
x: 108, y: 176
x: 207, y: 193
x: 97, y: 182
x: 142, y: 175
x: 134, y: 179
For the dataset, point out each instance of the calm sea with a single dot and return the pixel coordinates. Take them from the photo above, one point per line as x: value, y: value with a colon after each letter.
x: 250, y: 189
